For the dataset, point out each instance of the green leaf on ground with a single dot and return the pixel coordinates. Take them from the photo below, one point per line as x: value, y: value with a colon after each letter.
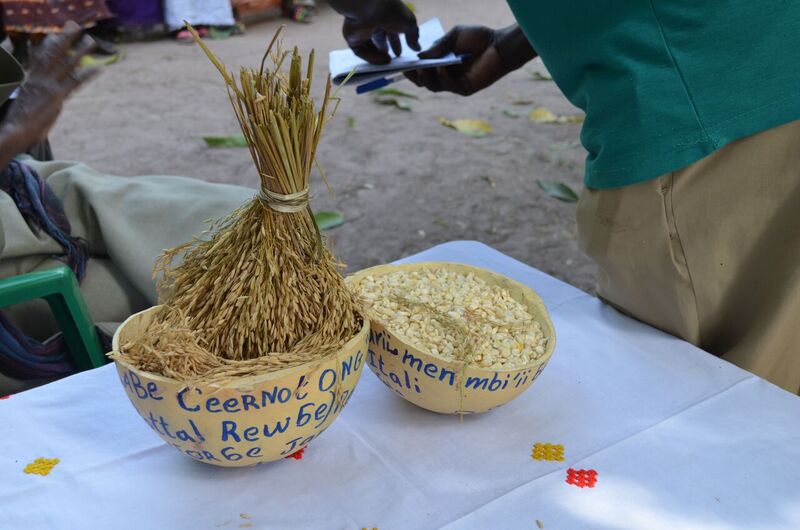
x: 558, y: 190
x: 92, y: 61
x: 538, y: 76
x: 470, y: 127
x: 394, y: 102
x: 544, y: 115
x: 351, y: 122
x: 510, y: 114
x: 394, y: 92
x: 220, y: 33
x: 328, y: 220
x: 225, y: 141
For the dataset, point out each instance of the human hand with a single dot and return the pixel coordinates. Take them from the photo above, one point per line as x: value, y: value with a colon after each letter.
x: 53, y: 74
x: 371, y: 30
x: 491, y: 54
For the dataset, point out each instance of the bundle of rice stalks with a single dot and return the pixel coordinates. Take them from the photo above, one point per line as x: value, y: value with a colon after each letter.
x: 262, y: 292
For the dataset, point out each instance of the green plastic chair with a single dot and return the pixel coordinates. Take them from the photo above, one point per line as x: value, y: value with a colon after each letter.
x: 59, y: 288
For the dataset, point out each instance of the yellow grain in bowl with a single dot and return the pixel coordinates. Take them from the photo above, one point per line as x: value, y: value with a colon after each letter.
x: 453, y: 338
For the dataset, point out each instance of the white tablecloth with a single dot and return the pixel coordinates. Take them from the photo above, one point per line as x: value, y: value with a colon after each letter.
x: 679, y: 439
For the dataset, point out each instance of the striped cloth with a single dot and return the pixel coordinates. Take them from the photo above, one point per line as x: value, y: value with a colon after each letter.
x: 49, y: 16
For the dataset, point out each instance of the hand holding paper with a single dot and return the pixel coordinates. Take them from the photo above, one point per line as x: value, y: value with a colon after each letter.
x: 492, y: 55
x: 343, y: 62
x: 371, y: 27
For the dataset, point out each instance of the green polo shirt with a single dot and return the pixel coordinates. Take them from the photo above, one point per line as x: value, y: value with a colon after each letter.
x: 664, y: 83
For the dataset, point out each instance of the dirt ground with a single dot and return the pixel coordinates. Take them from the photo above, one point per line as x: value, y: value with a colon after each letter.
x: 403, y: 181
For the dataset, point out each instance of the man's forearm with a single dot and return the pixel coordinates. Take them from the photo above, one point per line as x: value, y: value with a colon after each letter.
x: 9, y: 147
x: 514, y: 48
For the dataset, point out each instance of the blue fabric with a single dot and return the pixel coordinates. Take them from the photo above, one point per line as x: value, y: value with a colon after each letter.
x: 132, y: 13
x: 26, y: 358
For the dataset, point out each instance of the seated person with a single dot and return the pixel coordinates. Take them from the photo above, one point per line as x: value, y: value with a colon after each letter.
x: 110, y: 230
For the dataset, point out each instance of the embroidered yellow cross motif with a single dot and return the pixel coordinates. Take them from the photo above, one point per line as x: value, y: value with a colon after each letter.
x: 41, y: 466
x: 548, y: 452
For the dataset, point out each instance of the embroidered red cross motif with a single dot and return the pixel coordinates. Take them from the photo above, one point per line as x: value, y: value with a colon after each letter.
x: 297, y: 455
x: 583, y: 478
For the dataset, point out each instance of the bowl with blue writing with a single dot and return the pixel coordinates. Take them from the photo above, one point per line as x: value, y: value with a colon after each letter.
x: 449, y: 384
x: 250, y: 420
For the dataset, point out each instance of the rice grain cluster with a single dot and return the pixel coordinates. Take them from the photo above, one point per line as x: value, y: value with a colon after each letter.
x: 455, y: 316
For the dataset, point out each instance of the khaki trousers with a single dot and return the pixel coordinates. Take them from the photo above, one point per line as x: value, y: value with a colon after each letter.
x: 127, y: 222
x: 710, y: 253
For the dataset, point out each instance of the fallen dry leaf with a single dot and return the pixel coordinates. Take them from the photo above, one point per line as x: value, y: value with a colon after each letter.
x: 543, y: 115
x: 470, y: 127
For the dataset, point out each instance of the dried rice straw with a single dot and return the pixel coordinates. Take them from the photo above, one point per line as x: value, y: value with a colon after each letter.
x: 262, y: 292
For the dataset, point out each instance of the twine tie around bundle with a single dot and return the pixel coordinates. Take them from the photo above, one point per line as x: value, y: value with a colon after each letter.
x: 291, y: 203
x: 284, y: 203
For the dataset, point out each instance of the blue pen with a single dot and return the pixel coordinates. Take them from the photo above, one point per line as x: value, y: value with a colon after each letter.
x: 384, y: 81
x: 377, y: 84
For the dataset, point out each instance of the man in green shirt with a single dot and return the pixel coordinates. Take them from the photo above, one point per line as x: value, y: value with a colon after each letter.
x: 693, y: 139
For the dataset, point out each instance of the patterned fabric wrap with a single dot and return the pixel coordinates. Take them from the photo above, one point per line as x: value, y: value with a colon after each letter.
x: 41, y: 208
x: 49, y: 16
